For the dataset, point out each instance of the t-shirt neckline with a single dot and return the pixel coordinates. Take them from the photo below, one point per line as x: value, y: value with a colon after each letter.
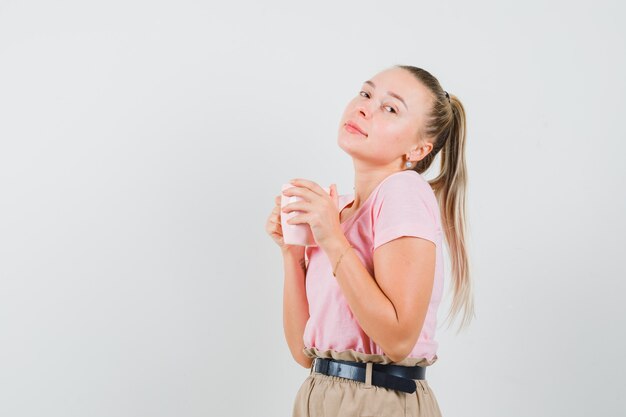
x: 366, y: 202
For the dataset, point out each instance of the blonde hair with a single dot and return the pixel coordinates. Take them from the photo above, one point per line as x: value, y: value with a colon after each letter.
x: 445, y: 128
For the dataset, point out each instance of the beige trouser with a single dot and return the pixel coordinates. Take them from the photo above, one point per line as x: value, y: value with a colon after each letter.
x: 332, y: 396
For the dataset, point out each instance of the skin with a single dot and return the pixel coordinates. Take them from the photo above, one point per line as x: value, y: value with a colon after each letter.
x: 390, y: 307
x: 392, y: 129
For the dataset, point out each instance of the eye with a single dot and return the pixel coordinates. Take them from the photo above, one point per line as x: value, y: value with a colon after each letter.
x: 366, y: 94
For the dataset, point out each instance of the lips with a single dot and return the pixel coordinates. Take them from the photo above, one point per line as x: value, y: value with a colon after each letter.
x: 356, y: 127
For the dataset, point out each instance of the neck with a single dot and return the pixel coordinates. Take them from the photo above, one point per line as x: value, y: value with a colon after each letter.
x: 364, y: 183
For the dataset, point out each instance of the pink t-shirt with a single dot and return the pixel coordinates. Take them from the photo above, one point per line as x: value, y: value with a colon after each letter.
x: 402, y: 204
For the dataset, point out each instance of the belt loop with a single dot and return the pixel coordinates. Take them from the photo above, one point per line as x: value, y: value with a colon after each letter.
x: 312, y: 366
x: 368, y: 375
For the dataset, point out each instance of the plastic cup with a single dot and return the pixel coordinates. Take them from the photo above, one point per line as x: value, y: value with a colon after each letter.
x: 295, y: 234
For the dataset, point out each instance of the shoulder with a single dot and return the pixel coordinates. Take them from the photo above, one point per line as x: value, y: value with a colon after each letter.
x: 405, y: 206
x: 405, y: 186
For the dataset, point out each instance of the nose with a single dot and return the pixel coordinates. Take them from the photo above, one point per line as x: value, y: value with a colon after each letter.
x: 363, y: 110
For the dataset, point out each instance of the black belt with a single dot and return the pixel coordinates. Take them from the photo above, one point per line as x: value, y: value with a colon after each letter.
x: 388, y: 376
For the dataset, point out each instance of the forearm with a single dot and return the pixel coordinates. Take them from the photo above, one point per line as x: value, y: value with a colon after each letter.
x: 374, y: 312
x: 295, y: 304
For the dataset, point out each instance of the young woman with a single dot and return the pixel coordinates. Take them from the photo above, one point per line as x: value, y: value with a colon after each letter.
x: 360, y: 309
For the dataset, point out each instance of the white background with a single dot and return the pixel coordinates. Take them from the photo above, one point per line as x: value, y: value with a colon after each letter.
x: 142, y: 144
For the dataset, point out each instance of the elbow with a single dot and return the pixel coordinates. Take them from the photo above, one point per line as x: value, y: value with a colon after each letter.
x: 301, y: 359
x: 306, y: 362
x: 401, y: 350
x: 397, y: 356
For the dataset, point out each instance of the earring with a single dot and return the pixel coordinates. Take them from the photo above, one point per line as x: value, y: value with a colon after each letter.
x: 408, y: 164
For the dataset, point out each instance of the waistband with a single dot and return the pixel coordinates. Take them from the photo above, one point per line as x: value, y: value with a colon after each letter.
x: 388, y: 376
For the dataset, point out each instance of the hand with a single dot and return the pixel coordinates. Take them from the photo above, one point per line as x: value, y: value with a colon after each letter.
x: 273, y: 227
x: 319, y: 209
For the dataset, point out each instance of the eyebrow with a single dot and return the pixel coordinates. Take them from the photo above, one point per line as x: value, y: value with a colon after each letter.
x: 392, y: 94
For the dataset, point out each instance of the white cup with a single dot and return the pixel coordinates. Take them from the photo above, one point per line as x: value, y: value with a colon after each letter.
x: 295, y: 234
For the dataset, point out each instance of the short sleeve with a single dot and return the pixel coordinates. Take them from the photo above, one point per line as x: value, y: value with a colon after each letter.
x: 404, y: 207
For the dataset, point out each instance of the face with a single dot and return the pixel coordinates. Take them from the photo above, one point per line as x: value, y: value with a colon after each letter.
x: 390, y: 109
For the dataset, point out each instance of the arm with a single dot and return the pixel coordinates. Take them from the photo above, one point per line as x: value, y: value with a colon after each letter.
x: 391, y: 308
x: 295, y: 304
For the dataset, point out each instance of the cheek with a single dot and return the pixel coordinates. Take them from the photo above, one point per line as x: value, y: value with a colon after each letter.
x: 390, y: 132
x: 350, y: 107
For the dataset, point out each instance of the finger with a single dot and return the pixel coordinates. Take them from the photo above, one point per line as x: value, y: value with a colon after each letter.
x: 291, y: 191
x: 311, y: 185
x: 296, y: 206
x: 333, y: 194
x: 302, y: 192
